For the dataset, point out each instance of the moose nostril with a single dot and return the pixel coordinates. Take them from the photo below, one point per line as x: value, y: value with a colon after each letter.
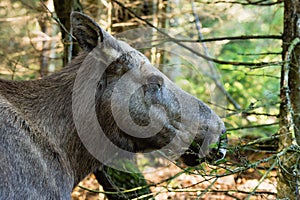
x: 223, y: 131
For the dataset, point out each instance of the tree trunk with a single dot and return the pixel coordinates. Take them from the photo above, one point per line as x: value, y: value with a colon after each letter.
x: 63, y: 10
x: 288, y: 168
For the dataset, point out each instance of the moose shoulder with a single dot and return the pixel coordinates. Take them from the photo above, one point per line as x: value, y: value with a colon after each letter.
x: 41, y: 153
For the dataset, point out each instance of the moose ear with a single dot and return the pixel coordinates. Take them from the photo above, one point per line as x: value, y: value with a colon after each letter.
x: 86, y: 31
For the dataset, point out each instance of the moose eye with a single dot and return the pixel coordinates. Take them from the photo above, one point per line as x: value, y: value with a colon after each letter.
x: 155, y: 80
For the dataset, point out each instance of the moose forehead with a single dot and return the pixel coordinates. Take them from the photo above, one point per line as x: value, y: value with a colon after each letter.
x: 140, y: 69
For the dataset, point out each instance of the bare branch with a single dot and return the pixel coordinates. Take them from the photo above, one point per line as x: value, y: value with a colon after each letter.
x: 215, y: 77
x: 254, y: 126
x: 247, y: 3
x: 249, y: 64
x: 241, y: 37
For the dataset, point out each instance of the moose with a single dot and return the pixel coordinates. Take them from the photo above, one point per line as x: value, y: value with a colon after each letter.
x: 43, y: 154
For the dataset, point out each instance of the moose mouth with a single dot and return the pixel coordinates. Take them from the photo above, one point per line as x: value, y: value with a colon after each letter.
x: 192, y: 157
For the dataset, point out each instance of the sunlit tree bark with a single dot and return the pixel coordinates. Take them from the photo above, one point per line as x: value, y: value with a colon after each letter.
x: 288, y: 168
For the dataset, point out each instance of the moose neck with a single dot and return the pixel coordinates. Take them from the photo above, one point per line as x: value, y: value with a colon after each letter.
x: 46, y: 105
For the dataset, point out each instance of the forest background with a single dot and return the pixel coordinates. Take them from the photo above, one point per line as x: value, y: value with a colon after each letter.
x: 248, y: 72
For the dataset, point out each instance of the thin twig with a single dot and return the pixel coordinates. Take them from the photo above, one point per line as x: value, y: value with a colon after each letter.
x: 254, y: 126
x: 247, y: 3
x: 214, y: 76
x: 261, y: 180
x: 249, y: 64
x: 56, y: 19
x: 241, y: 37
x: 261, y: 140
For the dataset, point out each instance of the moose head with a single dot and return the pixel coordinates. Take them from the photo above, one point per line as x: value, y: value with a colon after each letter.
x: 134, y: 106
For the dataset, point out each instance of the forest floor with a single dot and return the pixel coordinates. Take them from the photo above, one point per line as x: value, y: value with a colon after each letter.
x: 190, y: 187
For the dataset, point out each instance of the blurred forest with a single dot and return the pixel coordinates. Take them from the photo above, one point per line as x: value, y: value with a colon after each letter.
x: 238, y: 68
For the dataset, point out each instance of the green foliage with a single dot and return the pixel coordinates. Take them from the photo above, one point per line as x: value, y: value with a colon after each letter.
x: 255, y: 89
x: 123, y: 185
